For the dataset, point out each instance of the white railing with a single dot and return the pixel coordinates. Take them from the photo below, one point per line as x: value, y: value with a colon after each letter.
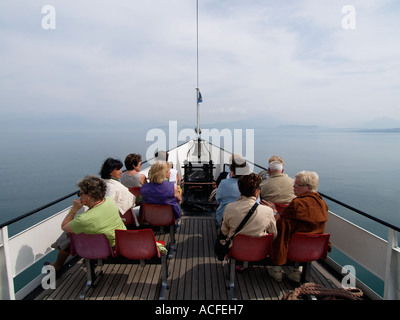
x: 23, y: 250
x: 378, y: 256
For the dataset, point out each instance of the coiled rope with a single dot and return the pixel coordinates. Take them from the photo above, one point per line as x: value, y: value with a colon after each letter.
x: 324, y: 293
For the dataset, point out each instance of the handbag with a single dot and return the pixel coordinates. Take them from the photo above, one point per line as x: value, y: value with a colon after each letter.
x: 220, y: 249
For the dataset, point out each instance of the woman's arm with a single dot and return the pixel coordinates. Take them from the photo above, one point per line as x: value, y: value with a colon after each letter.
x: 272, y: 206
x: 76, y: 205
x: 177, y: 194
x: 143, y: 179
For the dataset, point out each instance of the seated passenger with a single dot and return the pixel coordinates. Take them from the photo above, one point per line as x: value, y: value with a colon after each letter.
x: 161, y: 156
x: 276, y: 158
x: 278, y: 188
x: 160, y: 190
x: 260, y: 223
x: 132, y: 178
x: 307, y: 213
x: 228, y: 190
x: 111, y: 172
x: 264, y: 174
x: 102, y: 216
x: 173, y: 175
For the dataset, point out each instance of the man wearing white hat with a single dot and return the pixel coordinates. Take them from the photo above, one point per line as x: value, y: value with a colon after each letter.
x: 228, y: 190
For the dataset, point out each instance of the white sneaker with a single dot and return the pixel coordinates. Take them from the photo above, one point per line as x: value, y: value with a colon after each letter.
x: 275, y: 272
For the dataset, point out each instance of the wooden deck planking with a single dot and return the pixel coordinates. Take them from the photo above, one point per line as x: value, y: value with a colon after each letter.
x: 194, y: 274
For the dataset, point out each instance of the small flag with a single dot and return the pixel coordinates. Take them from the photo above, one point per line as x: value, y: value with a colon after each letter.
x: 199, y: 98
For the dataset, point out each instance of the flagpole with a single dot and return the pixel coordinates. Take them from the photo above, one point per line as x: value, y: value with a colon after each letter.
x: 198, y: 114
x: 197, y: 71
x: 198, y: 94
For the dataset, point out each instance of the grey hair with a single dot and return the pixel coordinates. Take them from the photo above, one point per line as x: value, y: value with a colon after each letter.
x: 309, y: 178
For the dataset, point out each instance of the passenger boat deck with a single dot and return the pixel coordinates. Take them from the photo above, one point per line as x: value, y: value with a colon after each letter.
x: 194, y: 274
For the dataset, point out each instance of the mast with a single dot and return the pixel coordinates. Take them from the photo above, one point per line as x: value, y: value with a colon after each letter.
x: 198, y: 94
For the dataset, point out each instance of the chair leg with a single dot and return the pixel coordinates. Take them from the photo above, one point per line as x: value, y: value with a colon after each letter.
x: 90, y: 275
x: 305, y: 274
x: 232, y: 278
x: 164, y: 276
x: 171, y: 241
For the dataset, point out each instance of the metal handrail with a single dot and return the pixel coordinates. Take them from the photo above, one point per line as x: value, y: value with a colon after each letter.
x: 361, y: 212
x: 37, y: 210
x: 322, y: 194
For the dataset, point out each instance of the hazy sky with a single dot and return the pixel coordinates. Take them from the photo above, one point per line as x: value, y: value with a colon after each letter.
x: 127, y: 61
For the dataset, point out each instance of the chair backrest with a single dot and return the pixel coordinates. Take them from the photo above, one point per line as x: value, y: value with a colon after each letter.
x: 247, y: 248
x: 158, y: 215
x: 280, y: 207
x: 127, y: 217
x: 136, y: 244
x: 90, y: 246
x: 305, y: 247
x: 136, y: 192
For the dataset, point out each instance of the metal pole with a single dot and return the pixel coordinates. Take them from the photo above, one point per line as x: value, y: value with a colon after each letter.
x: 197, y: 88
x: 198, y: 114
x: 197, y: 70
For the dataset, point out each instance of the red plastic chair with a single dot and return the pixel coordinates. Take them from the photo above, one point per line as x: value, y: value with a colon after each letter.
x: 127, y: 217
x: 304, y: 248
x: 136, y: 244
x: 141, y: 245
x: 280, y: 207
x: 158, y: 215
x: 136, y: 192
x: 247, y: 248
x: 90, y: 247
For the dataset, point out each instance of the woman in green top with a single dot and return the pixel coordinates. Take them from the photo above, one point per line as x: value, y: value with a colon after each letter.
x: 102, y: 215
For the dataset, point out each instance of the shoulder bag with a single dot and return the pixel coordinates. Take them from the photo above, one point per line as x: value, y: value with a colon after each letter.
x: 221, y: 250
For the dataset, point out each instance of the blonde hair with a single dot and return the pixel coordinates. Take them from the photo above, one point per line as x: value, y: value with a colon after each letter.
x: 276, y: 158
x: 158, y: 172
x: 309, y: 178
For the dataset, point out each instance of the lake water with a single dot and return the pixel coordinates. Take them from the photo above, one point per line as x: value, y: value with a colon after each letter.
x: 360, y: 169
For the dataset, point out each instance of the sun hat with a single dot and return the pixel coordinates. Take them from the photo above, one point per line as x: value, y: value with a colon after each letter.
x: 239, y: 165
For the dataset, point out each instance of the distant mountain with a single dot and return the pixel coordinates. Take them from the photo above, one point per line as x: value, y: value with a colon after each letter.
x: 299, y: 127
x: 79, y: 123
x: 391, y: 130
x: 381, y: 123
x: 259, y: 122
